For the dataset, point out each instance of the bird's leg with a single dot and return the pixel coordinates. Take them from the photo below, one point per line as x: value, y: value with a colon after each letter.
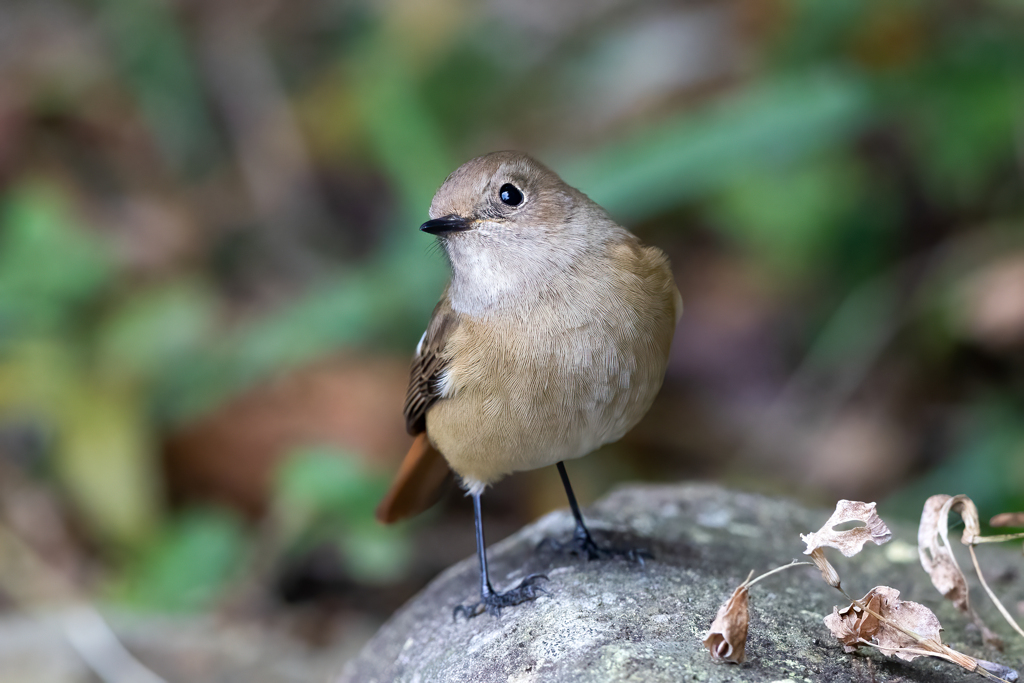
x: 582, y: 540
x: 491, y: 601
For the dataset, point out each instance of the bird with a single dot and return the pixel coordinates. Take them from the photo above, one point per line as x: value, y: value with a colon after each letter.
x: 551, y: 338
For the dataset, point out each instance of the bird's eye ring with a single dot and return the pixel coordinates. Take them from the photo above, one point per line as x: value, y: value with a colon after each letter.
x: 510, y: 195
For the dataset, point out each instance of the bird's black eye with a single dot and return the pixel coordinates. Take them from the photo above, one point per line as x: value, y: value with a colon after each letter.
x: 510, y: 195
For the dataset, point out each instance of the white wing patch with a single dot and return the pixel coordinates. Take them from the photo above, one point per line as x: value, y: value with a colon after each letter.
x: 419, y: 346
x: 444, y: 384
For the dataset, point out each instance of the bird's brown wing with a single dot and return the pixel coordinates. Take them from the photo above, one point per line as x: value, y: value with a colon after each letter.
x: 417, y: 486
x: 427, y: 367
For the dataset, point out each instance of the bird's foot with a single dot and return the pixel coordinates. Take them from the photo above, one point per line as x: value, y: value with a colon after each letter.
x: 583, y: 545
x: 492, y: 602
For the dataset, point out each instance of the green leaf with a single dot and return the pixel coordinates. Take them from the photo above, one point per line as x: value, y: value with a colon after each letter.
x: 106, y: 460
x: 323, y: 482
x: 190, y: 564
x: 49, y: 264
x: 324, y: 494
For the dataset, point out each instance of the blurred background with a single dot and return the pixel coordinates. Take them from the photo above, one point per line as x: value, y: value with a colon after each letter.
x: 211, y: 283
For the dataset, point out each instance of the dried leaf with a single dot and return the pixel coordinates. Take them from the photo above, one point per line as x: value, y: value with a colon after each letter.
x: 727, y: 638
x: 936, y: 556
x: 1012, y: 519
x: 828, y: 572
x: 911, y: 616
x: 903, y: 629
x: 851, y: 541
x: 851, y: 624
x: 969, y: 513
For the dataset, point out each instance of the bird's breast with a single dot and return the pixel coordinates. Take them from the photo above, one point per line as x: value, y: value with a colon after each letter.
x: 550, y: 383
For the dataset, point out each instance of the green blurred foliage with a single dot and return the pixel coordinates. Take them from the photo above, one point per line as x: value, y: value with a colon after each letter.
x: 723, y: 145
x: 50, y: 268
x: 158, y: 330
x: 790, y: 217
x: 188, y: 566
x: 158, y: 65
x: 51, y: 273
x: 987, y: 463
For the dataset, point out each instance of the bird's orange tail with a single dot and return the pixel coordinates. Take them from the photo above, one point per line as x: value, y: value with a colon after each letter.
x: 417, y: 485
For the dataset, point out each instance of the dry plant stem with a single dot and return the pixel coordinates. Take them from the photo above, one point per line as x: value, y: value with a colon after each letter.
x: 984, y: 584
x: 911, y: 650
x: 929, y: 653
x: 998, y: 539
x: 748, y: 583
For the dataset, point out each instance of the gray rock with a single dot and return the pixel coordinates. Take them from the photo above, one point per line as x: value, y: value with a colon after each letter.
x: 608, y: 621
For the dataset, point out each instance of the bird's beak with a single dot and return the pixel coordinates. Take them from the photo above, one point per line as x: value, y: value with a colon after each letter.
x: 446, y: 224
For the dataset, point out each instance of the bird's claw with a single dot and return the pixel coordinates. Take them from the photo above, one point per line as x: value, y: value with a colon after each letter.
x: 493, y: 602
x: 584, y: 545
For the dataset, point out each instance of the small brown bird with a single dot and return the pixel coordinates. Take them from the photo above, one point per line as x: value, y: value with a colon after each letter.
x: 550, y: 340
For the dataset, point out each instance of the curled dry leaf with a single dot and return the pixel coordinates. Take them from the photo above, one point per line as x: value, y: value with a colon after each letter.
x: 828, y: 572
x: 852, y: 623
x: 727, y: 638
x: 937, y: 556
x: 968, y: 512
